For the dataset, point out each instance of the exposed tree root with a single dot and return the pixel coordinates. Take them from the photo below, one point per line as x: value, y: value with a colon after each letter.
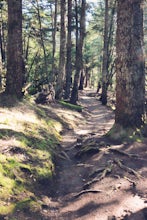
x: 93, y: 174
x: 89, y: 148
x: 128, y: 169
x: 84, y: 165
x: 131, y: 181
x: 135, y: 156
x: 86, y: 191
x: 62, y: 155
x: 104, y: 173
x: 123, y: 153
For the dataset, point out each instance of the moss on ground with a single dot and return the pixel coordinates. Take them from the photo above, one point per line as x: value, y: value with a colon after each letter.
x: 29, y: 139
x: 71, y: 106
x: 119, y: 134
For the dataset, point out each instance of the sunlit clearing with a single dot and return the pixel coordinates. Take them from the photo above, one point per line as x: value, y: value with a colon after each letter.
x: 12, y: 119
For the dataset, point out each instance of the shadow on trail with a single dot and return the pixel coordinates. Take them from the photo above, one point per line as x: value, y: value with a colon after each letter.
x: 85, y: 210
x: 95, y: 163
x: 141, y: 214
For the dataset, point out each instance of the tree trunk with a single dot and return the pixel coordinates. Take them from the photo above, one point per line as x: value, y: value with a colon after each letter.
x: 2, y: 38
x: 2, y: 49
x: 69, y: 47
x: 105, y: 58
x: 82, y: 77
x: 79, y: 50
x: 87, y: 77
x: 54, y: 27
x: 42, y: 40
x: 61, y: 73
x: 130, y: 76
x: 15, y: 67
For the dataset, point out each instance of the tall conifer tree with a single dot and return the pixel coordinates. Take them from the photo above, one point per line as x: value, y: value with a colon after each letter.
x: 15, y: 67
x: 130, y: 76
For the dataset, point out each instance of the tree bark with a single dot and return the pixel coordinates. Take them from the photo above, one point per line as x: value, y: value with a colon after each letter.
x: 15, y: 65
x: 2, y: 37
x: 82, y: 77
x: 69, y: 47
x: 54, y: 27
x: 130, y: 76
x: 87, y: 77
x: 42, y: 40
x: 79, y: 50
x: 61, y: 73
x: 105, y: 58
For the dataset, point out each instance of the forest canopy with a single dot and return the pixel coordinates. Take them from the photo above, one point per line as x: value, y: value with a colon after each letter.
x: 71, y: 45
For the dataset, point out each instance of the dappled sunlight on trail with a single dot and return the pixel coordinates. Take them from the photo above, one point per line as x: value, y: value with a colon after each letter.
x: 115, y: 194
x: 99, y: 120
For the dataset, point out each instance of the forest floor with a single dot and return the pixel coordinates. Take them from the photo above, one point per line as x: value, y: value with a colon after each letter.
x: 96, y: 178
x: 99, y: 179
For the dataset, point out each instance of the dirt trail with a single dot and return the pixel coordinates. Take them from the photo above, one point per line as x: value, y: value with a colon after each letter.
x: 119, y: 195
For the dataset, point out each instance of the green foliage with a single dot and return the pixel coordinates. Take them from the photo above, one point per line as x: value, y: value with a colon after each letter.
x: 94, y: 42
x: 37, y: 33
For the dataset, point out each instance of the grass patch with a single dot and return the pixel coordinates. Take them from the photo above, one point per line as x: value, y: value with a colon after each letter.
x: 6, y: 209
x: 29, y: 139
x: 71, y: 106
x: 28, y: 204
